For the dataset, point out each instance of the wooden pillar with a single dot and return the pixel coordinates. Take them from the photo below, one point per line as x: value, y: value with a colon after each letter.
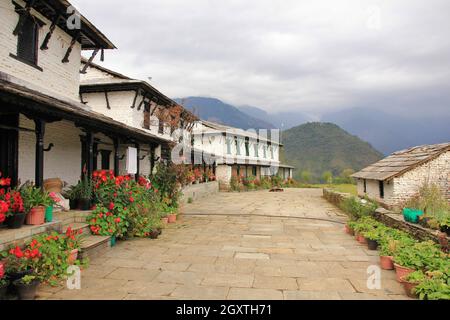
x: 152, y: 158
x: 90, y: 153
x: 39, y: 163
x: 138, y: 159
x: 116, y: 157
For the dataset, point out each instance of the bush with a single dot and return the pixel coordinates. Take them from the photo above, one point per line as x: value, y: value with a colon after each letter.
x: 358, y: 208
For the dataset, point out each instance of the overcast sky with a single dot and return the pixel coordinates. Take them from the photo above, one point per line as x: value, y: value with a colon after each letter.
x: 313, y: 56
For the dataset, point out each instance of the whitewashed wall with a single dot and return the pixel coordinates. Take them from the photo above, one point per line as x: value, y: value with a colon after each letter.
x: 58, y: 77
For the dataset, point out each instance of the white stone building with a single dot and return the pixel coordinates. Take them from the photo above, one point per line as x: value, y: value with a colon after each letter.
x: 238, y: 152
x: 397, y: 178
x: 45, y: 131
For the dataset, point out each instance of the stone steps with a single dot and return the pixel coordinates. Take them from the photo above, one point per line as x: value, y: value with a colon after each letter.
x: 77, y: 226
x: 94, y: 246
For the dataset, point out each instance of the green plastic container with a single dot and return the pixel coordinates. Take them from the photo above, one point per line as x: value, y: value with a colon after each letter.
x: 49, y: 214
x: 412, y: 215
x: 113, y: 241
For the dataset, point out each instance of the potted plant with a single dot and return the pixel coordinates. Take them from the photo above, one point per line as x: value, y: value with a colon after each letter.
x: 73, y: 240
x: 387, y: 250
x: 404, y: 262
x: 26, y: 287
x: 350, y: 228
x: 34, y: 200
x: 4, y: 283
x: 371, y: 237
x: 12, y: 210
x: 411, y: 281
x: 50, y: 200
x: 85, y: 194
x: 73, y: 194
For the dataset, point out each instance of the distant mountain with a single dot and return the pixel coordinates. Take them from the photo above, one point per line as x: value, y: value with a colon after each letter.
x: 317, y: 147
x: 392, y: 132
x: 211, y: 109
x: 282, y: 120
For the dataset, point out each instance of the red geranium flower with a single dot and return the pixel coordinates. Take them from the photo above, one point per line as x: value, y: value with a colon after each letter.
x: 111, y: 206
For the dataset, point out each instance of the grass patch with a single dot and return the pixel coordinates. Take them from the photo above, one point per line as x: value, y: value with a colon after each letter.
x: 345, y: 188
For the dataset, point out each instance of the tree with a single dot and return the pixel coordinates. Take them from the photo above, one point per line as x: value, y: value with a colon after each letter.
x: 305, y: 176
x: 346, y: 175
x: 327, y: 177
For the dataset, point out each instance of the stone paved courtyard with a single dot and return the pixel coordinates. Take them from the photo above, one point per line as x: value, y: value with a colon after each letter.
x: 230, y: 246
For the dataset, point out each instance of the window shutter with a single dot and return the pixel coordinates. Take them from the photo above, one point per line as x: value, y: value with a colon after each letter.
x: 28, y: 41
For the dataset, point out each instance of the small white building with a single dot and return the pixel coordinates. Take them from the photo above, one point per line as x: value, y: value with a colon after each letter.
x: 238, y: 152
x: 397, y: 178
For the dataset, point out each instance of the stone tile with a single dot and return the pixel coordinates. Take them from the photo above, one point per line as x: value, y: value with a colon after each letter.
x: 245, y: 255
x: 200, y: 292
x: 178, y: 277
x: 284, y: 283
x: 311, y: 295
x: 143, y: 275
x: 228, y: 280
x: 254, y: 294
x: 325, y: 284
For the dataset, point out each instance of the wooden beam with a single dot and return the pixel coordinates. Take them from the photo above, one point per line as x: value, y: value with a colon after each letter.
x: 44, y: 45
x: 135, y: 99
x: 88, y: 63
x: 116, y: 156
x: 69, y: 50
x: 107, y: 100
x: 138, y: 161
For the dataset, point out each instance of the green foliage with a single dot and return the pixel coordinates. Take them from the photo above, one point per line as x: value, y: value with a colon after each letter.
x: 433, y: 289
x: 327, y: 177
x: 165, y: 180
x: 305, y: 176
x: 319, y: 147
x: 26, y: 280
x: 357, y: 207
x: 32, y: 197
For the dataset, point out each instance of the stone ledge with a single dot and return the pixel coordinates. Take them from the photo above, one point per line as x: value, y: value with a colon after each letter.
x: 393, y: 220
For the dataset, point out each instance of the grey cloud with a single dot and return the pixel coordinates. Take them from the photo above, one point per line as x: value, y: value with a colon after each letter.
x: 313, y: 56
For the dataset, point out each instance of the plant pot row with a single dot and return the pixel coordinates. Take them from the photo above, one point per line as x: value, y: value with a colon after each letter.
x: 15, y: 288
x: 171, y: 218
x: 387, y: 262
x: 36, y: 216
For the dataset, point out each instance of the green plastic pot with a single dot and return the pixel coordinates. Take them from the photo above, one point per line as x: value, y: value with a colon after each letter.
x: 49, y: 214
x: 113, y: 241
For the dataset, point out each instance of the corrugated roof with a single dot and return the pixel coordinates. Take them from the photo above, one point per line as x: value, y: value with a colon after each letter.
x: 402, y: 161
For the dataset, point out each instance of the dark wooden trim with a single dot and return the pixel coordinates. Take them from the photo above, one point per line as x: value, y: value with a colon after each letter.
x: 108, y: 106
x: 39, y: 160
x: 135, y: 99
x: 88, y: 63
x: 49, y: 34
x: 90, y: 153
x: 138, y: 165
x: 31, y: 64
x: 116, y: 156
x: 75, y: 39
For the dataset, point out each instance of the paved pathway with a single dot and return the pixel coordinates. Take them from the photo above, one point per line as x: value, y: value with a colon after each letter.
x: 240, y: 251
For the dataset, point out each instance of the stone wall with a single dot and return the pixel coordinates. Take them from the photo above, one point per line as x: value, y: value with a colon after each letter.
x: 391, y: 219
x: 198, y: 191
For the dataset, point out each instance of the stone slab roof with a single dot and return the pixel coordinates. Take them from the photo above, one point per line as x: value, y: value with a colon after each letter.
x: 402, y: 161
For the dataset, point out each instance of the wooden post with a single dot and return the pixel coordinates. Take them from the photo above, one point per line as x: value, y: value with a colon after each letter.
x: 116, y: 156
x: 138, y: 159
x: 39, y: 161
x: 90, y: 153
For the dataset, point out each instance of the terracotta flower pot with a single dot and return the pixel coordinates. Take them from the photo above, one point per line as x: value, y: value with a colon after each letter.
x: 348, y: 230
x: 36, y: 216
x: 73, y: 255
x: 386, y: 262
x: 402, y: 271
x: 172, y: 218
x: 409, y: 286
x: 165, y: 220
x: 360, y: 238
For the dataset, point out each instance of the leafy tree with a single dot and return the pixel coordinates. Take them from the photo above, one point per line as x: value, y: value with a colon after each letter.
x: 327, y: 177
x: 305, y: 176
x: 346, y: 175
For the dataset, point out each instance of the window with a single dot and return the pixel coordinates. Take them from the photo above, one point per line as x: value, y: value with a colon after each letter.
x: 105, y: 159
x: 256, y: 149
x: 28, y: 41
x: 381, y: 186
x: 247, y: 147
x: 254, y: 173
x: 147, y: 117
x: 365, y: 185
x: 228, y: 146
x: 161, y: 127
x: 238, y: 147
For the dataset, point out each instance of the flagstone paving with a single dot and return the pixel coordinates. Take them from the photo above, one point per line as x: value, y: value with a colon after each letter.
x: 239, y: 246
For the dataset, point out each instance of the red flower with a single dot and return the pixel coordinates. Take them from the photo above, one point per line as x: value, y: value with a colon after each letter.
x: 111, y: 206
x: 4, y: 207
x: 118, y: 220
x: 17, y: 252
x: 131, y: 199
x: 2, y: 271
x: 2, y: 217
